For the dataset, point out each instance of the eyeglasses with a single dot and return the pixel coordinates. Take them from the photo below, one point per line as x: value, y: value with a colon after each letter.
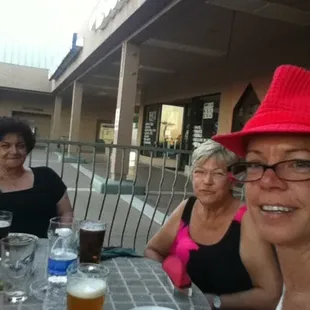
x: 289, y: 170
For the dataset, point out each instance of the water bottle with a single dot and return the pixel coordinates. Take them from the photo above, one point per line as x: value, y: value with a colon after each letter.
x: 62, y: 254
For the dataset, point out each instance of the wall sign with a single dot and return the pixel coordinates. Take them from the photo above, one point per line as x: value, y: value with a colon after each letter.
x: 150, y: 126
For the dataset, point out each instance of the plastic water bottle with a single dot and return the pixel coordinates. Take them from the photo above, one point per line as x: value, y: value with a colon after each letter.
x: 62, y: 254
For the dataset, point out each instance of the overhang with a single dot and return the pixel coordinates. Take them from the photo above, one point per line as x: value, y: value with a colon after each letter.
x: 187, y: 38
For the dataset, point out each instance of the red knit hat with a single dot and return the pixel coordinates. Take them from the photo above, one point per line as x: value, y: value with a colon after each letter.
x: 285, y: 109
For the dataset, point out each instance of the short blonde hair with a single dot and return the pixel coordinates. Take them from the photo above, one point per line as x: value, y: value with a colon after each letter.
x: 210, y: 149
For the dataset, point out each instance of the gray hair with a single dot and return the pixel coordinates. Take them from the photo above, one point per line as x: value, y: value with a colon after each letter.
x: 210, y: 149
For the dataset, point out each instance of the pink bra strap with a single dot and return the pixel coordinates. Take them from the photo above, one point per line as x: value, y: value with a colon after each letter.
x: 239, y: 215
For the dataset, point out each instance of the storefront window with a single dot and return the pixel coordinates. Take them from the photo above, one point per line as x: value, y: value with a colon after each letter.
x: 245, y: 108
x: 183, y: 126
x: 200, y: 123
x: 171, y: 123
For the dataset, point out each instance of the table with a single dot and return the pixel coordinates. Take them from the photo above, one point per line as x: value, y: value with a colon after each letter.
x: 132, y: 282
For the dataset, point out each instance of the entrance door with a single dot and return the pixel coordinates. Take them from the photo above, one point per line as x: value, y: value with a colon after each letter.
x: 171, y: 124
x: 40, y: 123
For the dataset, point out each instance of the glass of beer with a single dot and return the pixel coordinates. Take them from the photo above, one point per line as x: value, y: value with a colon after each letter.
x: 91, y: 241
x: 5, y: 223
x: 86, y: 287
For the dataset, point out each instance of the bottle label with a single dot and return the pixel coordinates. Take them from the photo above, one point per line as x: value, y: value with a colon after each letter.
x: 59, y: 267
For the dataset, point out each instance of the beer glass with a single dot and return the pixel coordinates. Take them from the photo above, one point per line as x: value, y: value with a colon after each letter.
x: 91, y: 241
x: 5, y: 223
x: 86, y: 287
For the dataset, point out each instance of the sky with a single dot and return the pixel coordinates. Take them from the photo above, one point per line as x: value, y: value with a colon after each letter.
x: 43, y: 22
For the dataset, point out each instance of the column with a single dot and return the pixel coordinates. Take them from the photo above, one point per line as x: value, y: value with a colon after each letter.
x: 126, y: 100
x: 75, y: 120
x: 56, y: 121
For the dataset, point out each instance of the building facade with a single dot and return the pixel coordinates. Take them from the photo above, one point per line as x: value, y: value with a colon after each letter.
x: 187, y: 68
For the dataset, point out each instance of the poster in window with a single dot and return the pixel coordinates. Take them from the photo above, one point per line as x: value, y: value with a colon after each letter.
x: 208, y: 109
x: 150, y: 127
x: 152, y: 116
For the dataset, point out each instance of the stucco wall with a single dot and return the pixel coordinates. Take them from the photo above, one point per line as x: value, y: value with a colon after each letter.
x: 26, y: 78
x: 93, y: 109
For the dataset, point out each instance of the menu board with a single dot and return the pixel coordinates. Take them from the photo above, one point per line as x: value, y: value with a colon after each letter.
x: 150, y: 128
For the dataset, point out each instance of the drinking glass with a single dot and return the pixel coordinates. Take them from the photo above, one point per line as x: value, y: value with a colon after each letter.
x: 5, y: 223
x: 17, y: 256
x: 86, y: 287
x: 62, y: 226
x: 91, y: 240
x: 58, y: 227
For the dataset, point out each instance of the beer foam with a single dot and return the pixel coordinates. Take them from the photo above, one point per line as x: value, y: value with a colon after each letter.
x: 4, y: 224
x: 87, y: 288
x: 92, y: 226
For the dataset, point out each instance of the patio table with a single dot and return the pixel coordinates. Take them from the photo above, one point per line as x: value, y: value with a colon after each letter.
x: 132, y: 282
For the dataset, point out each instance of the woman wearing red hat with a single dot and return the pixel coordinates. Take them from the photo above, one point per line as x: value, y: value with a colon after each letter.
x: 276, y: 146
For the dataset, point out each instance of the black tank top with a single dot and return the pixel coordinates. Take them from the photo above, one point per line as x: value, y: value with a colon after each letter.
x: 218, y: 269
x: 34, y: 207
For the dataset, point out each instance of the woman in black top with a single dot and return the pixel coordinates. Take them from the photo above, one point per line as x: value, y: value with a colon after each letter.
x: 34, y: 195
x: 215, y: 239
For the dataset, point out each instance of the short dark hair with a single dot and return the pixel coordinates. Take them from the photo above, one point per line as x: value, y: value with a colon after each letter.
x: 9, y: 124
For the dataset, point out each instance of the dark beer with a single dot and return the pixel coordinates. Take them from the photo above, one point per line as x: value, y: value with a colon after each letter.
x: 91, y: 241
x: 4, y: 228
x: 86, y: 294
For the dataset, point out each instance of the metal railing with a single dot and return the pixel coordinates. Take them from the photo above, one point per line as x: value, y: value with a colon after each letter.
x: 136, y: 201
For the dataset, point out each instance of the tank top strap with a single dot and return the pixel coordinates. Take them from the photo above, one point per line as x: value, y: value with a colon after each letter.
x: 187, y: 212
x: 239, y: 215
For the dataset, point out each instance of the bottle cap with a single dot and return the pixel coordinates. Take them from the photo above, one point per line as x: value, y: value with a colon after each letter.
x: 63, y: 232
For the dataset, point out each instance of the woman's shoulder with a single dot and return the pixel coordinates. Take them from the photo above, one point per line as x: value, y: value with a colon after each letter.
x: 42, y: 169
x: 47, y: 173
x: 178, y: 212
x: 47, y: 178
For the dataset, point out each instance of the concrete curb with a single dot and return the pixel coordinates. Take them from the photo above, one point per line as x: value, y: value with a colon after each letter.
x: 102, y: 185
x: 69, y: 158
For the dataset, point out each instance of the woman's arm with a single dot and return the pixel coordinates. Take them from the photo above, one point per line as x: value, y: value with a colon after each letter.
x: 260, y: 261
x: 158, y: 247
x: 64, y: 208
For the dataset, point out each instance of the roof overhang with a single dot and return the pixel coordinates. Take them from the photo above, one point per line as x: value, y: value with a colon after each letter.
x: 76, y: 48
